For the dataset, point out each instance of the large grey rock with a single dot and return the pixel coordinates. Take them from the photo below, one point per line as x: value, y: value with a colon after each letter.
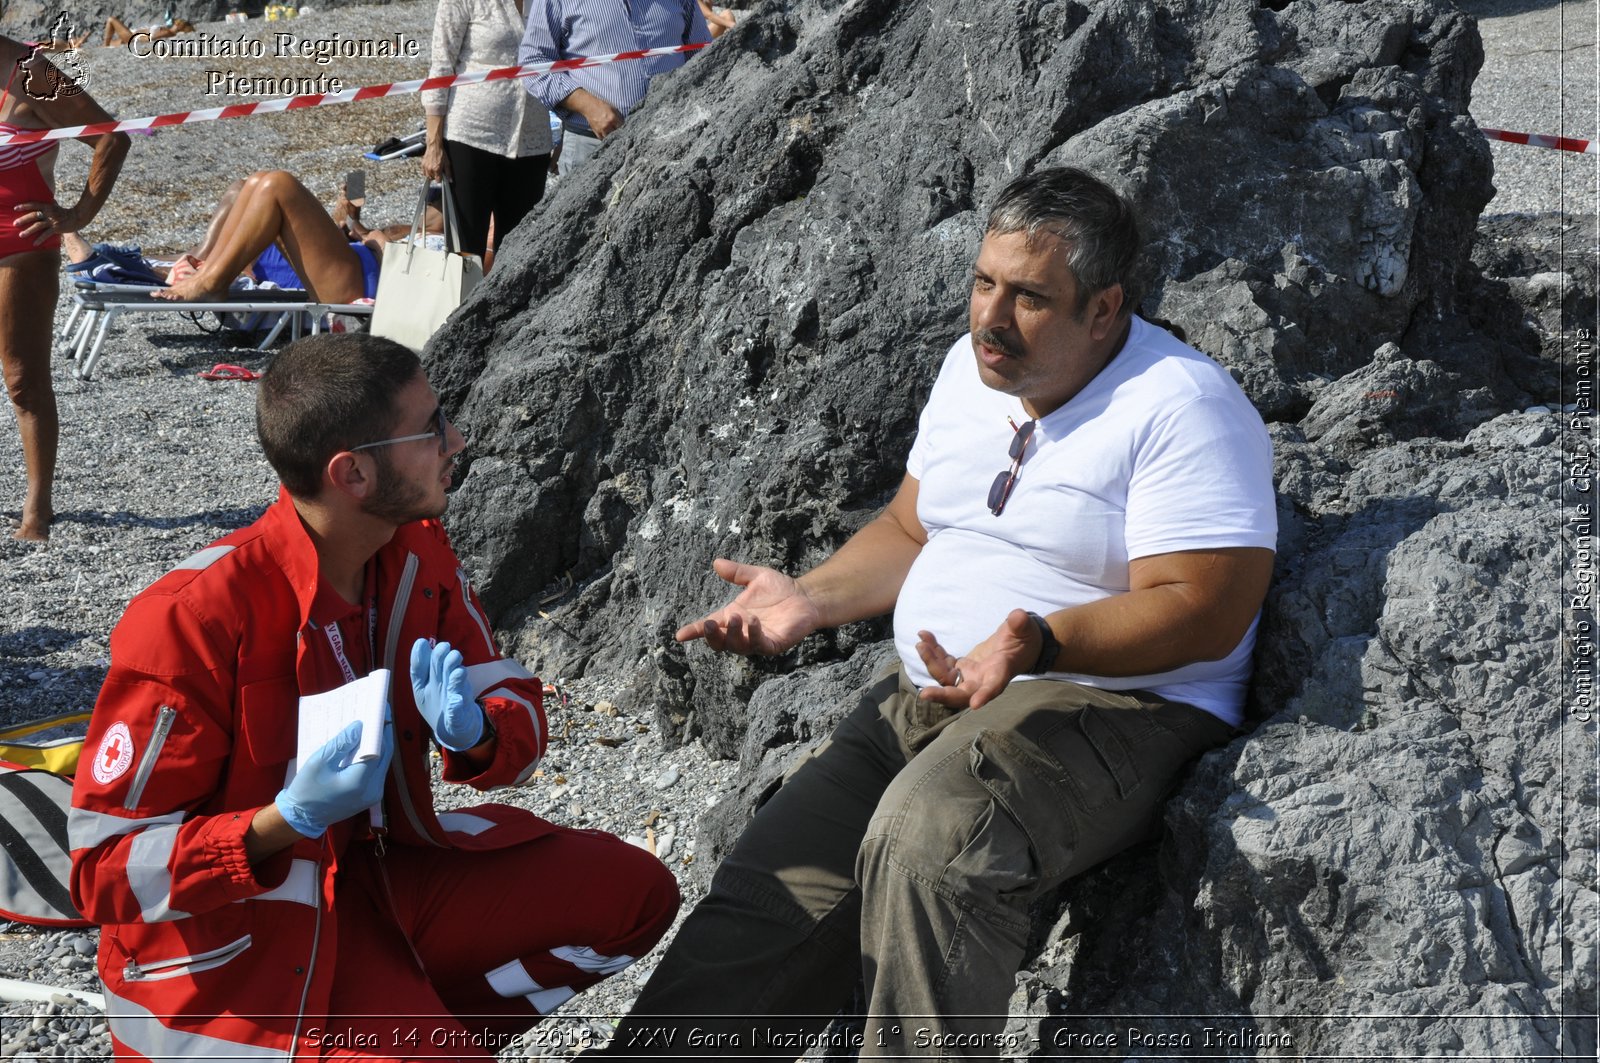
x: 714, y: 341
x: 795, y: 214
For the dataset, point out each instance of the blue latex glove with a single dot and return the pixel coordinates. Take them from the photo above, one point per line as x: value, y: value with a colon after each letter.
x: 439, y: 681
x: 329, y: 787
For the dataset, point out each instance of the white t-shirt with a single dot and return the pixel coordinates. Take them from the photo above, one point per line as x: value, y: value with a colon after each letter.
x: 1160, y: 452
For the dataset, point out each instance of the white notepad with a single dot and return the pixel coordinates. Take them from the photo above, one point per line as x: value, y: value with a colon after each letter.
x: 322, y: 716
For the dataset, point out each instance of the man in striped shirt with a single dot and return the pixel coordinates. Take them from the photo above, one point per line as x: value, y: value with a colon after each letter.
x: 594, y: 103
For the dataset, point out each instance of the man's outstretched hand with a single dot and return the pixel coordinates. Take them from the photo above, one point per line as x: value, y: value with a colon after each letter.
x: 973, y: 681
x: 770, y: 616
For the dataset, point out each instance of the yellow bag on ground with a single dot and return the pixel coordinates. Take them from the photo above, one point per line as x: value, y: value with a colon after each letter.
x: 53, y: 744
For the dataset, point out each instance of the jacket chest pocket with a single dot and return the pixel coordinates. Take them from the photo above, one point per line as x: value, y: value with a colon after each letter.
x: 269, y: 720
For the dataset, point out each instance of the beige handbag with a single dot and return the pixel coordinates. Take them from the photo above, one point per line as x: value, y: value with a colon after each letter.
x: 418, y: 287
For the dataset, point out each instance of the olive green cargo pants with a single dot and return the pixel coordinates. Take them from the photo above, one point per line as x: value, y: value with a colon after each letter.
x: 909, y: 846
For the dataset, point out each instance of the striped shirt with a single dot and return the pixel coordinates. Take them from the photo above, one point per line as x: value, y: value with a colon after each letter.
x: 15, y: 155
x: 567, y: 29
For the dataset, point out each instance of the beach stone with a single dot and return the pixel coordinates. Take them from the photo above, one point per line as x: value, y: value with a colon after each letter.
x: 796, y: 213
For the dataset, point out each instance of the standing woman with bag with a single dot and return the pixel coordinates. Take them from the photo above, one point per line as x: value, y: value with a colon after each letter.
x: 490, y: 141
x: 38, y: 96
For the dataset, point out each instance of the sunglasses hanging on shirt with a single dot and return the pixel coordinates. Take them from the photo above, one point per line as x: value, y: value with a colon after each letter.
x: 1000, y: 490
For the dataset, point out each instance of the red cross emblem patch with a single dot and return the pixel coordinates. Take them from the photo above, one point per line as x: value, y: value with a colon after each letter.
x: 114, y: 756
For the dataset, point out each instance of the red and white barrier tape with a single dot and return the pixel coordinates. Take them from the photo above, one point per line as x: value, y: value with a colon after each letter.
x: 322, y: 99
x: 1539, y: 140
x: 402, y: 88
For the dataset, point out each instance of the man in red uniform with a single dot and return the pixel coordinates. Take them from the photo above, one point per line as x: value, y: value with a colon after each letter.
x: 256, y: 908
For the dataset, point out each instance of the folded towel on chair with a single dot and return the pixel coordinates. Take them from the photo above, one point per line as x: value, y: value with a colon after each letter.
x: 111, y: 264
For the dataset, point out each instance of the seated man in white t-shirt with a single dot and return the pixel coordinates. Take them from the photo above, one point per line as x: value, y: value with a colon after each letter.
x: 1076, y: 560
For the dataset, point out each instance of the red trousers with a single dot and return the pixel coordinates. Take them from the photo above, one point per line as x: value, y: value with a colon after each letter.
x: 450, y: 955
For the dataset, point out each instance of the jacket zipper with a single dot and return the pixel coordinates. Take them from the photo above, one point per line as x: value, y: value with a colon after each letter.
x: 147, y: 763
x: 402, y: 600
x: 133, y: 971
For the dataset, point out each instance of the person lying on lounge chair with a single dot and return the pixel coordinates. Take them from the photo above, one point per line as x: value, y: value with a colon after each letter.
x: 119, y: 32
x: 272, y: 209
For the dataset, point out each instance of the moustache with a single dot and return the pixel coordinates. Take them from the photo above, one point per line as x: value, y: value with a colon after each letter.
x: 990, y: 338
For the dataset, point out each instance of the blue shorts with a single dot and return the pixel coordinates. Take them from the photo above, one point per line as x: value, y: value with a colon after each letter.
x: 369, y: 268
x: 272, y: 266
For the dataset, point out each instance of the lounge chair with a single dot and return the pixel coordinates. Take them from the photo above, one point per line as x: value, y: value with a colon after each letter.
x: 97, y: 306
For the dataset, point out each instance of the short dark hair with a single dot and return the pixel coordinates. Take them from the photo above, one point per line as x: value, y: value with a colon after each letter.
x: 1101, y: 227
x: 328, y: 393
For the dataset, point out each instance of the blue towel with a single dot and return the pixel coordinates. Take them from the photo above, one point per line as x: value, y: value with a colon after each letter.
x: 111, y: 264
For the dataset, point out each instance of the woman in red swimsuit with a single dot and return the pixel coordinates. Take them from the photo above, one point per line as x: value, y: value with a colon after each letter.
x: 38, y: 96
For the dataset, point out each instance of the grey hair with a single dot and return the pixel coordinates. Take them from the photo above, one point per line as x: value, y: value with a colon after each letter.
x: 1100, y: 227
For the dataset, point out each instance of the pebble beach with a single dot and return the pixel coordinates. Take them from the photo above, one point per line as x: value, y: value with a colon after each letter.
x: 156, y: 462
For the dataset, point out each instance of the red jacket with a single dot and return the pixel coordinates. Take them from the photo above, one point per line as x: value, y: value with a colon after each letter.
x: 194, y: 732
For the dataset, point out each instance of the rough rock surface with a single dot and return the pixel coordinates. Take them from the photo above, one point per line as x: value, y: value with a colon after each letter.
x: 1405, y: 839
x: 755, y: 390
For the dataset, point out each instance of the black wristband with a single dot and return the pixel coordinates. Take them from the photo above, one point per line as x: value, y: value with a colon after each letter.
x: 1049, y: 648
